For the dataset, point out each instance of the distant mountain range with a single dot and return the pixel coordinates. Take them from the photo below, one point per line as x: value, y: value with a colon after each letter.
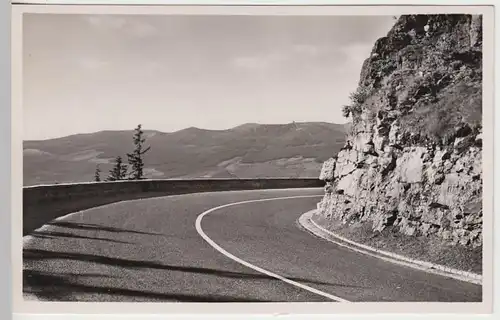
x: 247, y: 151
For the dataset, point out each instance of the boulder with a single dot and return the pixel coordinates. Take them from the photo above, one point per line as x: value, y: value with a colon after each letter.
x: 327, y: 170
x: 409, y: 167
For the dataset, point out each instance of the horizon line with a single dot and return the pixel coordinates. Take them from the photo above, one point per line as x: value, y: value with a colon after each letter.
x: 186, y: 128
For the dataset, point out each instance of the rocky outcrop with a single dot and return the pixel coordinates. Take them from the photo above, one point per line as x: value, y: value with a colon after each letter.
x: 412, y: 160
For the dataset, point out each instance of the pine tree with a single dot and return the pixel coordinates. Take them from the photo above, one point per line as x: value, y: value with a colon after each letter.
x: 97, y: 174
x: 119, y: 170
x: 123, y: 171
x: 135, y: 159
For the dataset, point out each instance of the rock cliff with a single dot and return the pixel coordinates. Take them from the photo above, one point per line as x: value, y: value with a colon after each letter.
x: 412, y: 160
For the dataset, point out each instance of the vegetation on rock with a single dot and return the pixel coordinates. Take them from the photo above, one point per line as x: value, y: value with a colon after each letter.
x: 357, y: 99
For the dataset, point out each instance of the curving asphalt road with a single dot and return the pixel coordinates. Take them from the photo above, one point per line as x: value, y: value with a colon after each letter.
x: 151, y: 250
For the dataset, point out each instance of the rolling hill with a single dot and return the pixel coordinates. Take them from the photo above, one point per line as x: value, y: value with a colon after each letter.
x: 247, y: 151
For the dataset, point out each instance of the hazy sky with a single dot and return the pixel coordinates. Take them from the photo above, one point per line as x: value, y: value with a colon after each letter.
x: 86, y: 73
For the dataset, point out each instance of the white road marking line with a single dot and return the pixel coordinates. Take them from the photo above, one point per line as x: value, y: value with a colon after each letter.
x: 306, y: 221
x: 254, y: 267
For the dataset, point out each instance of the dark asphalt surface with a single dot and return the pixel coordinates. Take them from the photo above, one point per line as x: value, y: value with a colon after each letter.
x: 149, y: 250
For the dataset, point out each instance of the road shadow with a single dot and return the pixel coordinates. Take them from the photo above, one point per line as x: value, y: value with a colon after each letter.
x: 54, y: 235
x: 61, y: 287
x: 44, y: 255
x: 96, y: 227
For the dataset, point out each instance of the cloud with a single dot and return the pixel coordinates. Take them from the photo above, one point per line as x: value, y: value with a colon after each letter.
x: 143, y: 30
x: 308, y: 50
x: 150, y: 68
x: 357, y: 52
x: 106, y: 21
x: 258, y: 62
x: 92, y: 63
x: 293, y: 53
x: 128, y: 25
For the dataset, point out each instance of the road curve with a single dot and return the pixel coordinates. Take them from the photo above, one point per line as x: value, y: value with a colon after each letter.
x: 150, y: 250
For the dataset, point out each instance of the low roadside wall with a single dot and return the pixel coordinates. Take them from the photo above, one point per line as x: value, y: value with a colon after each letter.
x: 44, y: 203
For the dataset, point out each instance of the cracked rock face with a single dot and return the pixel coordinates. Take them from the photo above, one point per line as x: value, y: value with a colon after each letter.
x: 412, y: 160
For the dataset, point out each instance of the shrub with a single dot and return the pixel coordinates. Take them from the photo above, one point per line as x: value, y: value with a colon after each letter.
x: 359, y: 96
x: 346, y: 111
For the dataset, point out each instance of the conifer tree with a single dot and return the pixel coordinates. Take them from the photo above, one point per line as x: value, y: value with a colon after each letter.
x: 135, y: 159
x: 97, y: 176
x: 119, y: 170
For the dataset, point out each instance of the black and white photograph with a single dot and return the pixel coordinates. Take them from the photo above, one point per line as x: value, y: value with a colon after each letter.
x: 254, y: 158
